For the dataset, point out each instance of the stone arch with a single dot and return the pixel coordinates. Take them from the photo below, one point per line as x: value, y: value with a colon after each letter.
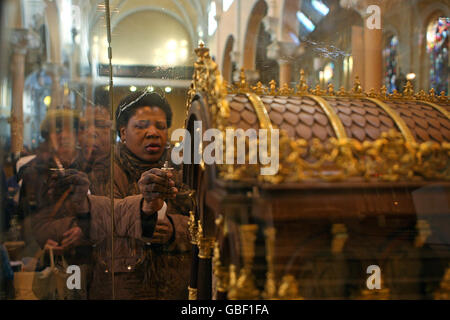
x: 180, y: 19
x: 227, y: 65
x: 257, y: 14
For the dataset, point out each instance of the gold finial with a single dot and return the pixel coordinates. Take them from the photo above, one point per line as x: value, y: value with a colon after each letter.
x: 285, y: 90
x: 372, y: 93
x: 443, y: 97
x: 421, y: 95
x: 357, y: 88
x: 342, y: 92
x: 408, y: 92
x: 383, y: 92
x: 317, y: 91
x: 201, y: 50
x: 302, y: 87
x: 258, y: 89
x: 432, y: 95
x: 330, y: 89
x: 242, y: 86
x: 395, y: 95
x: 273, y: 88
x: 230, y: 88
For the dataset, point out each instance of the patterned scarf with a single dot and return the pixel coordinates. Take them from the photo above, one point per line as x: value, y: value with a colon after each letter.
x: 135, y: 167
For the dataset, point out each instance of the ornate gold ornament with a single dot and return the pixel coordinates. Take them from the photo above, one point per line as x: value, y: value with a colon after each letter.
x: 340, y: 236
x: 443, y: 293
x: 192, y: 223
x: 208, y: 81
x: 394, y: 156
x: 270, y: 288
x: 205, y: 244
x: 244, y: 287
x: 192, y: 293
x: 288, y: 289
x: 220, y: 271
x: 193, y: 228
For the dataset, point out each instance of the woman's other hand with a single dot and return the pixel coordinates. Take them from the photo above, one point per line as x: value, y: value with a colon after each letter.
x: 156, y: 185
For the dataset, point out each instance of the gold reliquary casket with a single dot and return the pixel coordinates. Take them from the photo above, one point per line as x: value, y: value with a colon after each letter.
x: 359, y: 205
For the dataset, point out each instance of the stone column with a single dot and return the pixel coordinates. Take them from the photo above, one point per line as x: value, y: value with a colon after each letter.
x: 370, y: 40
x: 373, y: 59
x: 284, y: 53
x: 285, y: 71
x: 357, y: 56
x: 57, y: 93
x: 21, y: 40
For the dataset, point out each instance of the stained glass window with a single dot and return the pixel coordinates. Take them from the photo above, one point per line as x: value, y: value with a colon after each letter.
x: 390, y: 63
x: 437, y: 47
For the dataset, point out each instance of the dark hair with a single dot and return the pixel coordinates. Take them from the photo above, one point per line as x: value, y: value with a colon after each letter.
x: 58, y: 117
x: 101, y: 97
x: 128, y: 106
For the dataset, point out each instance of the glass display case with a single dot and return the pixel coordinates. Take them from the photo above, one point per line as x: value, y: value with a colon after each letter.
x: 117, y: 176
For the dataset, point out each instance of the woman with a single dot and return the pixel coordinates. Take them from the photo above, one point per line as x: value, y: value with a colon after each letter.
x: 159, y: 267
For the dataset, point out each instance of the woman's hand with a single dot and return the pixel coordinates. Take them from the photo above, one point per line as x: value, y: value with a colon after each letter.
x: 76, y: 185
x: 155, y: 186
x: 72, y: 237
x: 57, y: 249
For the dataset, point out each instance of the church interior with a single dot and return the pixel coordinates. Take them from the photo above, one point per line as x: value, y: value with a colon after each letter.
x: 356, y: 90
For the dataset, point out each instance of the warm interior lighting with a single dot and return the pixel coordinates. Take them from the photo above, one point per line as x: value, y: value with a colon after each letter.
x: 133, y: 88
x: 47, y: 100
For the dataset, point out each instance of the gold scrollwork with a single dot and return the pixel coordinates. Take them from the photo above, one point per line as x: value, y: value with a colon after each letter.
x: 389, y: 158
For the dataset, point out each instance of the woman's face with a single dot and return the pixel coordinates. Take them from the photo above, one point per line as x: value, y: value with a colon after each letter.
x: 63, y: 139
x: 94, y: 132
x: 146, y: 133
